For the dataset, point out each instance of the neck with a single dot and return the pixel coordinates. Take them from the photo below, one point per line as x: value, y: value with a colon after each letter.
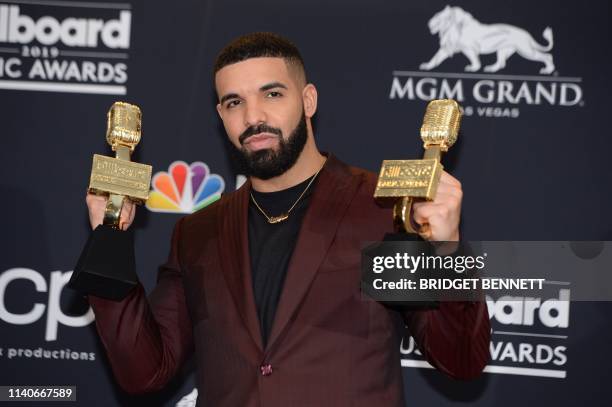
x: 309, y: 162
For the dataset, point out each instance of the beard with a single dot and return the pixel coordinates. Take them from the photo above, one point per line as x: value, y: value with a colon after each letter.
x: 269, y: 163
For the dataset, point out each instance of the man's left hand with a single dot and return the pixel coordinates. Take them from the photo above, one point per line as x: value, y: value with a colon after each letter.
x: 442, y: 215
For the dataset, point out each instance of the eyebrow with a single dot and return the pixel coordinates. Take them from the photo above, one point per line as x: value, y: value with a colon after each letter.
x: 272, y: 86
x: 227, y: 97
x: 264, y: 88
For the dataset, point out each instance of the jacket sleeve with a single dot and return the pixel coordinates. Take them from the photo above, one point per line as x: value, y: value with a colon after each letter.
x: 454, y: 338
x: 147, y: 340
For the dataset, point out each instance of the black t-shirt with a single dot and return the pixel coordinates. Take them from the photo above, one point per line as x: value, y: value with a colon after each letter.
x: 271, y: 246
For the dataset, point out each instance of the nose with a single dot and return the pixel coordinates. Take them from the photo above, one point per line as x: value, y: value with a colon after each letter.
x: 254, y: 114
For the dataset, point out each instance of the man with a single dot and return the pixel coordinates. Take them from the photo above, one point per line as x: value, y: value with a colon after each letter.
x: 264, y: 284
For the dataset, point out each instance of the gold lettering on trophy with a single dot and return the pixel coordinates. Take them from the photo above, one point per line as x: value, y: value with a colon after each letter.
x: 120, y: 182
x: 122, y: 170
x: 402, y: 183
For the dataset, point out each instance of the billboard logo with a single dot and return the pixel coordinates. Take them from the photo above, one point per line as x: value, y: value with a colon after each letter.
x: 73, y: 32
x: 43, y: 48
x: 184, y: 188
x: 528, y: 335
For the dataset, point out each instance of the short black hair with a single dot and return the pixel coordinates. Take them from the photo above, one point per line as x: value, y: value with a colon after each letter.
x: 259, y: 45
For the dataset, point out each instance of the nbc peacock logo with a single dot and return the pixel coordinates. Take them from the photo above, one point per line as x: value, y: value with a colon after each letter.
x: 184, y: 188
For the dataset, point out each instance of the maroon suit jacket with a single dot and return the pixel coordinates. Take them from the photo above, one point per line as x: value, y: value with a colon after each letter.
x: 328, y: 346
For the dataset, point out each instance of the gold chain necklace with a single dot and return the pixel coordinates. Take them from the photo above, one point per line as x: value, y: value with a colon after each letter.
x: 284, y: 216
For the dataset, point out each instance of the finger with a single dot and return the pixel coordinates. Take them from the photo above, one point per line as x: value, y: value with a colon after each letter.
x: 427, y: 210
x: 127, y: 214
x: 132, y: 212
x: 449, y: 186
x: 95, y: 199
x: 448, y: 207
x: 449, y: 189
x: 433, y: 224
x: 425, y: 231
x: 426, y: 206
x: 451, y: 202
x: 448, y: 195
x: 446, y: 178
x: 95, y: 206
x: 127, y: 209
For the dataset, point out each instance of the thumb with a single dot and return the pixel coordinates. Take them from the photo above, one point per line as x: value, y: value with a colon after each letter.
x: 128, y: 212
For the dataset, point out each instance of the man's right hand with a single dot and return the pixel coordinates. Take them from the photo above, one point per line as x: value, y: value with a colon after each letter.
x: 96, y: 204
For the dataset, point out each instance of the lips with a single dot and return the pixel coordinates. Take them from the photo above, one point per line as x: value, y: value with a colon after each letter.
x: 261, y: 140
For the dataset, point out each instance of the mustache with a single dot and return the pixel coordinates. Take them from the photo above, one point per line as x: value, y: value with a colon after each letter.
x: 260, y: 128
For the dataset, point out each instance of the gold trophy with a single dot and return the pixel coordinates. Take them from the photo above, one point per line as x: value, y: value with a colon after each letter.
x: 401, y: 182
x: 106, y: 267
x: 120, y: 178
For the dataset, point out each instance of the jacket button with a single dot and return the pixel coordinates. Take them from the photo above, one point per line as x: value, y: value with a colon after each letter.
x: 266, y: 370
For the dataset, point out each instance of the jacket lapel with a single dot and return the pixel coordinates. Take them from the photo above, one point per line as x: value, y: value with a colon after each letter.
x: 332, y: 195
x: 235, y: 258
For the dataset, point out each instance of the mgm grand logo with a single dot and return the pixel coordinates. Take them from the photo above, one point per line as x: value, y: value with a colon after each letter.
x: 484, y: 90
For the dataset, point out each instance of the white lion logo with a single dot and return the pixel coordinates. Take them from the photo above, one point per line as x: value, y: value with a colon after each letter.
x: 460, y: 32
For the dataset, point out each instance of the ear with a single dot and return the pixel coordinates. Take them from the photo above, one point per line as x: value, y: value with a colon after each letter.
x: 219, y: 111
x: 309, y: 97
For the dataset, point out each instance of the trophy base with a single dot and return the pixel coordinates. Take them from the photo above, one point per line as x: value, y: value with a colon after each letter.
x: 107, y: 265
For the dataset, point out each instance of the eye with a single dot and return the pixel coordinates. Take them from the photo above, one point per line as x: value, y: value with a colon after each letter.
x: 274, y: 94
x: 232, y: 103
